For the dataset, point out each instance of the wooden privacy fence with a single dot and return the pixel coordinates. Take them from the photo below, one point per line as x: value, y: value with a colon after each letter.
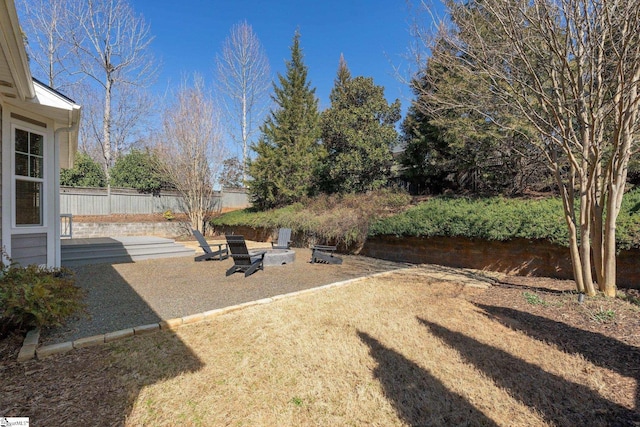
x: 101, y: 201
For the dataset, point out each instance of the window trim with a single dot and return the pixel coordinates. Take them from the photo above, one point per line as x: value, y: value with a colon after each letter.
x: 43, y: 226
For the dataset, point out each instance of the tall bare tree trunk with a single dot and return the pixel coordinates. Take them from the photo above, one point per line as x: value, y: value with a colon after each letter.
x: 574, y: 250
x: 106, y: 130
x: 245, y: 136
x: 597, y: 231
x: 243, y: 80
x: 608, y: 286
x: 111, y: 47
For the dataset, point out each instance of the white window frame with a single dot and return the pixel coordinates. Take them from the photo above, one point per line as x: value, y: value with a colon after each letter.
x: 35, y: 228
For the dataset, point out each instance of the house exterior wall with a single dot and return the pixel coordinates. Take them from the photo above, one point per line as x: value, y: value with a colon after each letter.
x: 29, y: 209
x: 34, y: 243
x: 29, y: 248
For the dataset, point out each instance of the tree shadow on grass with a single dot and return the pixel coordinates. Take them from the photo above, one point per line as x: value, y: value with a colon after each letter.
x: 418, y: 397
x: 598, y: 349
x: 97, y: 385
x: 560, y: 401
x: 542, y: 289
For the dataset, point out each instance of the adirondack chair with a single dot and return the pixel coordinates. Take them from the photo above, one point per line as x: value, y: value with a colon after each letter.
x: 284, y: 239
x: 324, y: 254
x: 243, y: 260
x: 221, y: 253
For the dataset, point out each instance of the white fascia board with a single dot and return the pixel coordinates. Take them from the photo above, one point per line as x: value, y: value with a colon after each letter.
x: 61, y: 109
x: 64, y: 112
x: 12, y: 43
x: 48, y: 97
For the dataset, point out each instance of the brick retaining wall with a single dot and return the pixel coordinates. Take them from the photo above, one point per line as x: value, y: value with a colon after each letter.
x: 261, y: 234
x: 518, y: 256
x: 249, y: 233
x: 169, y: 229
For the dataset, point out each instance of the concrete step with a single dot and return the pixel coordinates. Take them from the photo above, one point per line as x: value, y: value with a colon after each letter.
x: 117, y: 250
x: 131, y: 249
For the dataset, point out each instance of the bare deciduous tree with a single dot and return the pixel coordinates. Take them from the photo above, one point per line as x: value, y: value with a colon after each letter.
x: 132, y: 110
x: 191, y: 151
x: 243, y: 81
x: 47, y: 24
x: 571, y: 69
x: 111, y: 48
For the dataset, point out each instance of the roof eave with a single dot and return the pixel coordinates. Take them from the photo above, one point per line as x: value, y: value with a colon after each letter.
x: 13, y: 45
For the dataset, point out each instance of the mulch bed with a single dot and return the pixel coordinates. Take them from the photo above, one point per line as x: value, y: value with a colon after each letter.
x: 604, y: 331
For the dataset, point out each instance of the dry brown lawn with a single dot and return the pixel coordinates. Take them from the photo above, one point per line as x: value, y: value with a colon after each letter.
x: 405, y: 349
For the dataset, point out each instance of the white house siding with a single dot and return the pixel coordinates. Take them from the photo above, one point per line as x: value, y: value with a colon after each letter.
x: 29, y: 248
x: 32, y: 106
x: 30, y: 244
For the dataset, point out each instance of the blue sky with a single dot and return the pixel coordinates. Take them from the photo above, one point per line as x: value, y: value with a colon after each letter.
x: 373, y: 35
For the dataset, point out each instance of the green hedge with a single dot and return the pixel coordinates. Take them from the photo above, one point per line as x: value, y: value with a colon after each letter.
x: 501, y: 219
x: 347, y: 220
x: 628, y: 225
x: 487, y: 218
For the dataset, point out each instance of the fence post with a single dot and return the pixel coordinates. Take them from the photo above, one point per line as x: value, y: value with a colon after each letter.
x: 108, y: 198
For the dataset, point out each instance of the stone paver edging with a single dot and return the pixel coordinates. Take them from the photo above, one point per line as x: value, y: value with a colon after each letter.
x: 30, y: 348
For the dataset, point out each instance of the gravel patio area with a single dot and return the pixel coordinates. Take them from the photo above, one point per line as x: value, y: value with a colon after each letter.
x: 121, y: 296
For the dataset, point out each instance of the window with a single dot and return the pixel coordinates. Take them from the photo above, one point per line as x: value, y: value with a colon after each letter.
x: 29, y: 176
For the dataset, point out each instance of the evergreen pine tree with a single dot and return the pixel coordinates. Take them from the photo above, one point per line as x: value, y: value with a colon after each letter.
x: 427, y: 159
x: 339, y: 84
x: 289, y: 153
x: 358, y: 131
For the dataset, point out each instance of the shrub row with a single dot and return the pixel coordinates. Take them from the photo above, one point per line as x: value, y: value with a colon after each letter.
x: 498, y: 218
x: 487, y: 218
x: 33, y: 296
x: 349, y: 219
x: 342, y: 220
x: 628, y: 226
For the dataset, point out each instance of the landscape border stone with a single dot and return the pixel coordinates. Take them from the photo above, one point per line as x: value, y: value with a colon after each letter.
x: 28, y: 350
x: 88, y: 341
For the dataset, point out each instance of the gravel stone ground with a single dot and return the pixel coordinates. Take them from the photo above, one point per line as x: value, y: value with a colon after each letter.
x: 121, y: 296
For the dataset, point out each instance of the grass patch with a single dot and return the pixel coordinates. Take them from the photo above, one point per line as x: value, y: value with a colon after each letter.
x: 412, y: 352
x: 631, y: 298
x: 404, y: 349
x: 602, y: 315
x: 534, y: 299
x: 297, y: 401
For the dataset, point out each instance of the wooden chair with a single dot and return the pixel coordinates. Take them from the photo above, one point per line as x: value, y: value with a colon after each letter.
x: 284, y: 239
x: 324, y: 254
x: 221, y: 253
x: 243, y: 260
